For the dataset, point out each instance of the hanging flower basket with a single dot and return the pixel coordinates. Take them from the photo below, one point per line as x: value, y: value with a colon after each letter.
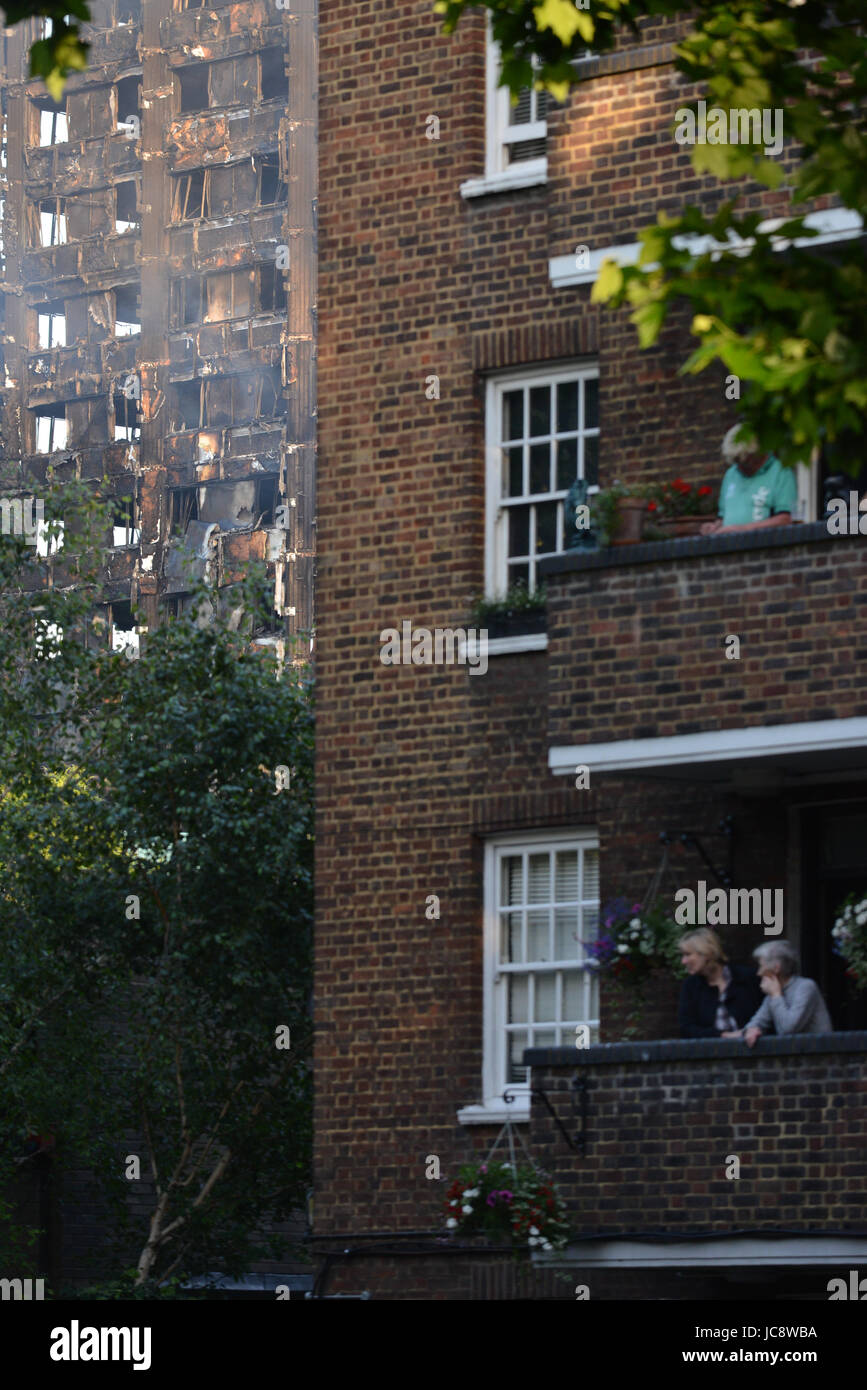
x: 849, y: 934
x: 638, y: 961
x: 502, y: 1203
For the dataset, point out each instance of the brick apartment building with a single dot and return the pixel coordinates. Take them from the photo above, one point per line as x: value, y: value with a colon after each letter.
x: 465, y: 380
x: 149, y: 221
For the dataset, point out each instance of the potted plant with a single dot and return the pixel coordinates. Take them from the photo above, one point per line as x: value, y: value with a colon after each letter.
x: 638, y: 961
x: 518, y: 613
x: 618, y: 514
x: 506, y: 1204
x: 679, y: 508
x: 849, y: 934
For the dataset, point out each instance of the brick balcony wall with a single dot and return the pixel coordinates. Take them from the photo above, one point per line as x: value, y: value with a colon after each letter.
x: 664, y: 1118
x: 650, y: 660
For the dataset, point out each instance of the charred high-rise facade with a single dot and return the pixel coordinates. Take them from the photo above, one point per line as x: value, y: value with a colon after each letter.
x: 158, y: 289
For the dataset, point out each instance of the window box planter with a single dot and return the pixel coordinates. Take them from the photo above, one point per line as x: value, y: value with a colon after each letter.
x: 515, y: 624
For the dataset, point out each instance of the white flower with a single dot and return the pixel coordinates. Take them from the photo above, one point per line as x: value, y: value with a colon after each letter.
x: 636, y: 922
x: 622, y: 948
x: 472, y: 1191
x: 534, y: 1241
x: 453, y: 1202
x: 861, y: 918
x: 452, y: 1221
x: 466, y: 1209
x: 534, y: 1230
x: 546, y: 1245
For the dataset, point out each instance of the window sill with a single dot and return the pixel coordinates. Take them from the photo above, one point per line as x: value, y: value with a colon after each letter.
x: 530, y: 175
x: 521, y: 642
x: 496, y: 1112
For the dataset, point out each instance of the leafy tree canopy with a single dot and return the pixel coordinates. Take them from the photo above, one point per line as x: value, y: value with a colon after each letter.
x: 788, y: 322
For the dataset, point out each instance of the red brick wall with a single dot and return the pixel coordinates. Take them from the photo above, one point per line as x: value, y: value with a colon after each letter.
x: 417, y: 765
x: 651, y: 659
x: 659, y: 1133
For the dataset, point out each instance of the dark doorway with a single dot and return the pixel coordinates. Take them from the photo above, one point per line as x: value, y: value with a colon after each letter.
x: 834, y: 840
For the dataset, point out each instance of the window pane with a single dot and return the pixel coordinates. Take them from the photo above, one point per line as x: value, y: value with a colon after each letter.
x: 516, y: 1045
x: 540, y: 468
x: 567, y: 463
x: 545, y: 1038
x: 591, y: 403
x: 510, y: 952
x: 566, y: 933
x: 517, y: 999
x: 567, y: 406
x: 522, y: 111
x: 538, y: 936
x: 540, y: 410
x: 513, y: 415
x: 546, y: 527
x: 539, y: 878
x: 589, y: 923
x: 545, y: 999
x: 519, y: 530
x: 591, y: 459
x: 590, y: 886
x: 518, y: 574
x: 512, y: 880
x: 572, y: 996
x: 514, y: 471
x: 566, y: 876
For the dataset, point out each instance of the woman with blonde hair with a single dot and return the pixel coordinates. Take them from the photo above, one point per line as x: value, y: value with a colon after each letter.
x: 716, y: 998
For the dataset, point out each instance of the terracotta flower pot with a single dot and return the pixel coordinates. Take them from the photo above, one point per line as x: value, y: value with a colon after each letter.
x: 631, y: 512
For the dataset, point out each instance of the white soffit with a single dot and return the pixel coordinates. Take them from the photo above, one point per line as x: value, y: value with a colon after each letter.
x: 711, y: 746
x: 836, y: 224
x: 759, y: 1251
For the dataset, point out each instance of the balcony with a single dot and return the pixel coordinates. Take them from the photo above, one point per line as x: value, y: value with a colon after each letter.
x: 222, y: 29
x: 651, y: 1182
x: 213, y: 137
x: 245, y: 344
x: 640, y: 679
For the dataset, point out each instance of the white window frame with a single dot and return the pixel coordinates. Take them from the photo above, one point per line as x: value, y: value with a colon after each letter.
x: 499, y: 133
x: 493, y: 1108
x: 500, y: 176
x: 496, y: 528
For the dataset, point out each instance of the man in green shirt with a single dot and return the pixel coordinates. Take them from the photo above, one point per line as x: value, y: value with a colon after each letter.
x: 757, y: 491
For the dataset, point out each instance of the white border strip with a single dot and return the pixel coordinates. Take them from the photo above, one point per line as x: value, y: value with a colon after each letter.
x: 836, y: 224
x: 713, y: 746
x: 756, y: 1251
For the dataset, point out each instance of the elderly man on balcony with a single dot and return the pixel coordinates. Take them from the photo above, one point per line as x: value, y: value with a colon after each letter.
x: 792, y: 1004
x: 757, y: 491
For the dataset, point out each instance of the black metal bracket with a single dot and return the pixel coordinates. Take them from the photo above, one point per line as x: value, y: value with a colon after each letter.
x: 692, y: 839
x: 579, y: 1085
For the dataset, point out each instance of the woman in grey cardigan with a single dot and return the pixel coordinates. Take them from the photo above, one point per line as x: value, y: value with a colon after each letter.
x: 792, y: 1004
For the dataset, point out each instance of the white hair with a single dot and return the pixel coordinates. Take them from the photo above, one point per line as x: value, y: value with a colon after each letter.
x: 735, y: 449
x: 778, y: 953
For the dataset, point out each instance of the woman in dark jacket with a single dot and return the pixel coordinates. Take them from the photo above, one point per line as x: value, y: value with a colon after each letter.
x: 716, y: 999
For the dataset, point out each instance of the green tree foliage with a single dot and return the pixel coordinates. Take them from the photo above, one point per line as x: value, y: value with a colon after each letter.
x: 63, y: 51
x: 156, y: 913
x: 788, y: 322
